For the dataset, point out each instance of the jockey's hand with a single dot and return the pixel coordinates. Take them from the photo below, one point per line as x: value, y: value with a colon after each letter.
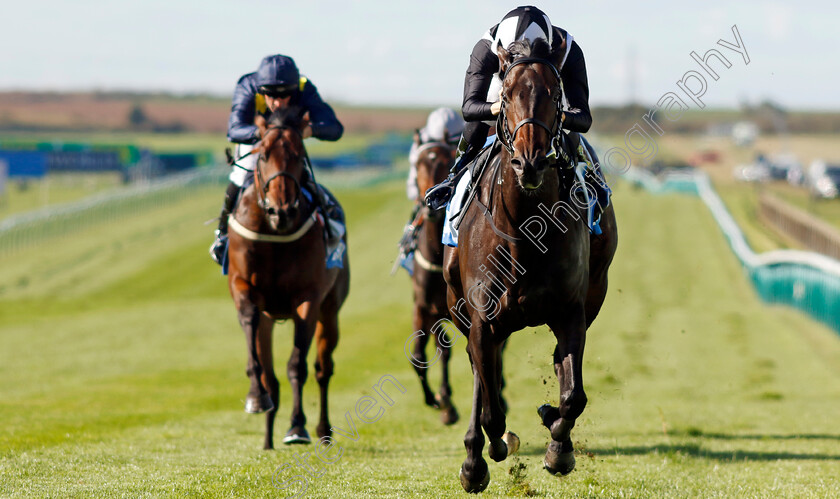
x: 496, y: 108
x: 307, y: 132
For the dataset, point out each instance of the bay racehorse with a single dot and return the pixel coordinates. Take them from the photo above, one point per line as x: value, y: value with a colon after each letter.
x: 277, y: 271
x: 433, y: 162
x: 525, y: 257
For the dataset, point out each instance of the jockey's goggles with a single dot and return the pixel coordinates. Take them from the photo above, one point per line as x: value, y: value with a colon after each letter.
x: 278, y: 91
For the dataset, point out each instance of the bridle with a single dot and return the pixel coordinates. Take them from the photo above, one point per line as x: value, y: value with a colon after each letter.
x: 555, y: 131
x: 263, y: 184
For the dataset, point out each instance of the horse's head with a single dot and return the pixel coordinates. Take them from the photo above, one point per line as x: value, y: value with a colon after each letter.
x: 531, y: 96
x: 433, y: 163
x: 280, y: 168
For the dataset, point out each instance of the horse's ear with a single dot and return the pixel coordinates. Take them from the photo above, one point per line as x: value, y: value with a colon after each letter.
x: 417, y: 137
x: 504, y: 58
x: 261, y: 124
x: 445, y: 137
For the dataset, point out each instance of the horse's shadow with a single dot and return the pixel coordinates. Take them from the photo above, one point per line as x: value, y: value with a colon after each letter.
x: 697, y: 450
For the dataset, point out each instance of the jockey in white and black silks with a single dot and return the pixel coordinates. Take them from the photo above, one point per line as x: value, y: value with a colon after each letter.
x: 482, y: 85
x: 277, y: 83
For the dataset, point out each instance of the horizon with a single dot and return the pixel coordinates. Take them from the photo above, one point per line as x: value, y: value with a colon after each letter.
x: 383, y: 54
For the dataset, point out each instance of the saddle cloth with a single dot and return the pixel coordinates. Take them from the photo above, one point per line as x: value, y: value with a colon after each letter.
x: 587, y: 166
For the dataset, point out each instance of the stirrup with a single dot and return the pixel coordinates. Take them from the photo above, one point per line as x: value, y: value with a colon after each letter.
x: 218, y: 248
x: 437, y: 197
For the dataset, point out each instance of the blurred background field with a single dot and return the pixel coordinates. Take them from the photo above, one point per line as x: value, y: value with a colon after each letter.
x: 122, y: 365
x: 123, y: 371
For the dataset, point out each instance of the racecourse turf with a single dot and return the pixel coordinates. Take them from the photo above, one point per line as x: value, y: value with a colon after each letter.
x: 122, y: 372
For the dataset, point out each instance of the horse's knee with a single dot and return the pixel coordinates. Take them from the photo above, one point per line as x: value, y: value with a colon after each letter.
x: 323, y: 372
x: 296, y: 369
x: 572, y: 404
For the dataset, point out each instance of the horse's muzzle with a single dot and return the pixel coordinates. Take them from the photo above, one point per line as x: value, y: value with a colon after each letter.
x: 530, y: 172
x: 281, y: 220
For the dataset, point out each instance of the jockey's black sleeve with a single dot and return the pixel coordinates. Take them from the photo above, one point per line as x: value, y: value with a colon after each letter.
x: 483, y: 65
x: 576, y: 87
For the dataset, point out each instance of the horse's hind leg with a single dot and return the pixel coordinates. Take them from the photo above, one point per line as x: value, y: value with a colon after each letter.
x: 601, y: 251
x: 326, y: 339
x: 421, y: 323
x: 448, y: 413
x: 570, y: 332
x: 268, y: 379
x: 298, y: 371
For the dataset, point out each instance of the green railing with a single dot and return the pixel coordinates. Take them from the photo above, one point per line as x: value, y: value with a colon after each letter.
x: 805, y: 280
x: 21, y: 231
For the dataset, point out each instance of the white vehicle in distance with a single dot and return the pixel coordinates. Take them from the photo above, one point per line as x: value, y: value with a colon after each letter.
x: 824, y: 179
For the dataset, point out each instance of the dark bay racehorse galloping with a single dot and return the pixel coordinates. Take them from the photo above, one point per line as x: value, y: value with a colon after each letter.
x: 433, y: 163
x: 277, y: 270
x: 520, y: 264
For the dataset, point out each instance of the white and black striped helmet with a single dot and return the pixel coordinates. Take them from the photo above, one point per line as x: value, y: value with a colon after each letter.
x: 527, y: 22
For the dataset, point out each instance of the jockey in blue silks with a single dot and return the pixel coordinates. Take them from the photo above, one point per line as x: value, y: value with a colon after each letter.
x: 276, y: 84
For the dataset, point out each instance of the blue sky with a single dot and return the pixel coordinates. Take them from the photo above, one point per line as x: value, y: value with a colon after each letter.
x: 398, y: 53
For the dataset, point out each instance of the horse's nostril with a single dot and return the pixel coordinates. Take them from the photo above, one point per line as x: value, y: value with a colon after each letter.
x: 516, y: 162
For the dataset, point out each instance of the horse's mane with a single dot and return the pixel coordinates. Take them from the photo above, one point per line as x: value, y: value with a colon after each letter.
x: 539, y: 49
x: 289, y: 116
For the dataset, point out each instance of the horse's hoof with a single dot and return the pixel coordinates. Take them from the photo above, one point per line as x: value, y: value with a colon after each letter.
x: 557, y: 462
x: 257, y: 404
x: 497, y: 450
x: 512, y: 442
x: 449, y: 415
x: 297, y: 435
x: 474, y: 486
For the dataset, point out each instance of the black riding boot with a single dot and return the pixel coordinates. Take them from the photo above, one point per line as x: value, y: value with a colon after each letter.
x: 472, y: 140
x: 217, y: 249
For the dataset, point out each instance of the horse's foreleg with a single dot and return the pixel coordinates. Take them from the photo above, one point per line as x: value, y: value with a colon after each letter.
x: 474, y: 475
x: 268, y: 379
x: 422, y: 324
x: 326, y: 339
x: 297, y: 371
x: 483, y: 346
x: 258, y: 399
x: 568, y: 365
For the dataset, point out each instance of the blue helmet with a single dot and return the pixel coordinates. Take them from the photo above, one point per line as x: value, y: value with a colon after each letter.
x: 278, y: 75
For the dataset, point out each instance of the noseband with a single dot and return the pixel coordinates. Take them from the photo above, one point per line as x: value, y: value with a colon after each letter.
x: 555, y: 131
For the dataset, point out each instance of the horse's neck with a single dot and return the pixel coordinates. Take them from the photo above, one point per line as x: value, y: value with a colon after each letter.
x: 430, y: 239
x: 248, y: 211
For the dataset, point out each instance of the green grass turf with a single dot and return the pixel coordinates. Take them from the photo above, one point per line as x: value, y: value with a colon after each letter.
x: 122, y: 372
